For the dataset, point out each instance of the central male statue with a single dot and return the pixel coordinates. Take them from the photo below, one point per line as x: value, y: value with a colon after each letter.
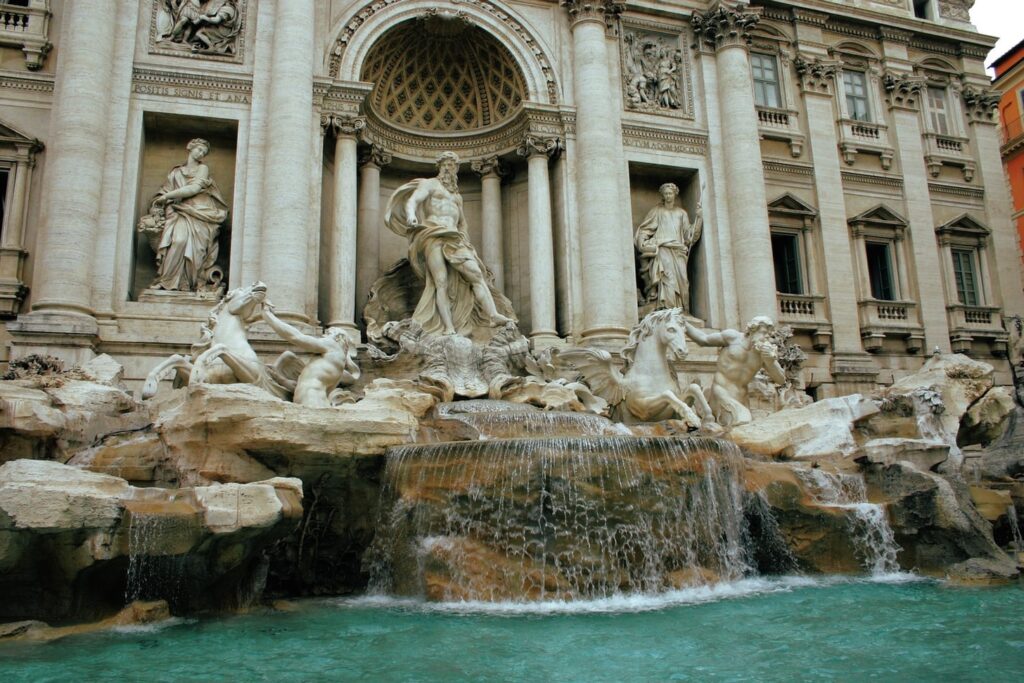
x: 457, y: 297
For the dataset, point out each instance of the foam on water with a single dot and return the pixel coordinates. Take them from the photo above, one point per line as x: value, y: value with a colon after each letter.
x: 624, y: 603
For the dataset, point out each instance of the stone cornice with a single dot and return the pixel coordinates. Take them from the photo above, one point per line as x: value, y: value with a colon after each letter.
x: 895, y: 35
x: 26, y: 82
x: 724, y: 26
x: 872, y: 179
x: 816, y: 75
x: 903, y: 91
x: 660, y: 139
x: 179, y: 84
x: 956, y: 190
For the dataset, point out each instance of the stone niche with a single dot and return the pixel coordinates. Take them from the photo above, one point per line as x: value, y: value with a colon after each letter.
x: 644, y: 181
x: 164, y: 141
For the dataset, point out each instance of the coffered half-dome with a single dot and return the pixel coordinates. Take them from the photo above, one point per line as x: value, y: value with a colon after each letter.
x: 441, y: 74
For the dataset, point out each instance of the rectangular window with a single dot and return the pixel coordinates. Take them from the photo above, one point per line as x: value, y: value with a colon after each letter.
x: 855, y: 85
x: 923, y: 9
x: 766, y: 80
x: 880, y: 271
x: 937, y: 110
x: 966, y: 277
x: 5, y: 174
x: 786, y: 254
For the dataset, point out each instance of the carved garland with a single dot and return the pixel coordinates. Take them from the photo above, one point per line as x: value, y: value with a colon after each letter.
x: 363, y: 15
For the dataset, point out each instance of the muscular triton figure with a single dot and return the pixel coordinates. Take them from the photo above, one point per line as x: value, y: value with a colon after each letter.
x: 740, y: 359
x: 457, y: 296
x: 331, y: 366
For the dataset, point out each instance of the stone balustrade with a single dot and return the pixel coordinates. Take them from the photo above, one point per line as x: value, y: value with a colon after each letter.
x: 27, y: 28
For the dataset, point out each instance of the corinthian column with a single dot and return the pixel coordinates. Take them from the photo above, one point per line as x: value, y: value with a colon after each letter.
x: 367, y: 239
x: 75, y: 161
x: 490, y: 171
x: 723, y: 31
x: 609, y: 292
x: 285, y: 255
x: 537, y: 151
x: 341, y: 266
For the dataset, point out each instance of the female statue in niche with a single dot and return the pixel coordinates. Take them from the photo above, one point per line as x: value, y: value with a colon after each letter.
x: 664, y: 240
x: 185, y: 216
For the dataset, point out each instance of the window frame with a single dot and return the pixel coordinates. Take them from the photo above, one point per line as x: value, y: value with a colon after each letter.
x: 849, y: 98
x: 778, y: 92
x: 795, y: 239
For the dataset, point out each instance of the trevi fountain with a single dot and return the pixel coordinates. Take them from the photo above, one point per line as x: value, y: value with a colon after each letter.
x: 484, y: 466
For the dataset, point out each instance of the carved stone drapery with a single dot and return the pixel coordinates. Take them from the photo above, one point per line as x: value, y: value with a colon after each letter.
x: 816, y: 75
x: 533, y: 145
x: 724, y: 26
x: 903, y: 91
x: 981, y: 104
x: 195, y: 29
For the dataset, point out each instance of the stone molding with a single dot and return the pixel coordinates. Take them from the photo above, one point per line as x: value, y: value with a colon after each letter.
x: 374, y: 155
x: 534, y: 145
x: 13, y: 80
x: 784, y: 168
x: 955, y: 190
x: 895, y: 35
x: 874, y: 179
x: 486, y: 10
x: 903, y: 91
x: 806, y: 16
x: 661, y: 140
x: 724, y: 26
x: 981, y: 104
x: 343, y: 125
x: 816, y: 75
x: 192, y: 86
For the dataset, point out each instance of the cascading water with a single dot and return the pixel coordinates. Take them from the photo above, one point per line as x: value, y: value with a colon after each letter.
x: 559, y: 518
x: 155, y: 570
x: 1011, y: 516
x: 869, y: 528
x: 501, y: 420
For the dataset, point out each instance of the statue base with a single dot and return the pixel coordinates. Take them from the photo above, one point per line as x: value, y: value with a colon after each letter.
x: 151, y: 295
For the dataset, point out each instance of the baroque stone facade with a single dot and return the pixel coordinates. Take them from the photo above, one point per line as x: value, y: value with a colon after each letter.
x: 846, y: 170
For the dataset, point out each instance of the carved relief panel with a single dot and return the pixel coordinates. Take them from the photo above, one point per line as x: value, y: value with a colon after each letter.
x: 203, y: 29
x: 655, y: 71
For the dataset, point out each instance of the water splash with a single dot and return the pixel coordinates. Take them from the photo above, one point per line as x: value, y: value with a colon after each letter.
x: 870, y: 532
x: 559, y: 518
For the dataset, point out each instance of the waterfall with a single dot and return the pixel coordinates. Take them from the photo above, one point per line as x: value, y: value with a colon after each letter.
x: 1011, y: 516
x: 559, y: 518
x: 501, y: 420
x: 869, y: 528
x: 154, y: 572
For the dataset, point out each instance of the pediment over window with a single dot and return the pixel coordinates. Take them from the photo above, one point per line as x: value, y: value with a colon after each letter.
x: 881, y: 220
x: 963, y: 225
x: 793, y: 206
x: 11, y: 137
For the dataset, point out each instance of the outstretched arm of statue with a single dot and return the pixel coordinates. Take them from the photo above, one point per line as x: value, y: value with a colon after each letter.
x: 290, y: 334
x: 704, y: 339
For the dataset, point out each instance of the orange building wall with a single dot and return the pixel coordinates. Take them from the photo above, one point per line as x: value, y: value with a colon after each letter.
x: 1009, y: 70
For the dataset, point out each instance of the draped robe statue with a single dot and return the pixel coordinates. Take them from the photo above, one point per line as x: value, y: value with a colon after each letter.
x: 664, y: 240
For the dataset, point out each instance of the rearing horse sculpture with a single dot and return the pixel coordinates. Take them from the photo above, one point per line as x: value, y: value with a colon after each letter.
x: 646, y: 390
x: 223, y: 354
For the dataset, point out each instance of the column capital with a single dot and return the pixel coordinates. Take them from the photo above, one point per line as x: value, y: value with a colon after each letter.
x: 603, y: 11
x: 816, y: 75
x: 903, y: 90
x: 981, y: 104
x: 724, y: 25
x: 489, y: 166
x: 537, y: 145
x: 342, y: 125
x: 374, y: 155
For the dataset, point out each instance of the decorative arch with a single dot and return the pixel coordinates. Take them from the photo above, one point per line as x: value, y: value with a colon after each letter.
x: 358, y: 31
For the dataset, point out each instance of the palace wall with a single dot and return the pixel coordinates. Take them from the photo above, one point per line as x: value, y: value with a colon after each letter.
x: 853, y: 143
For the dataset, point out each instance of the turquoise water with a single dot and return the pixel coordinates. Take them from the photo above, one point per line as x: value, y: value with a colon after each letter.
x: 757, y: 630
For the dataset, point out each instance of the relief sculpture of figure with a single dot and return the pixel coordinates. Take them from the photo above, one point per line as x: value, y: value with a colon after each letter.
x: 184, y: 220
x: 664, y: 240
x: 742, y: 355
x: 457, y: 295
x: 204, y: 25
